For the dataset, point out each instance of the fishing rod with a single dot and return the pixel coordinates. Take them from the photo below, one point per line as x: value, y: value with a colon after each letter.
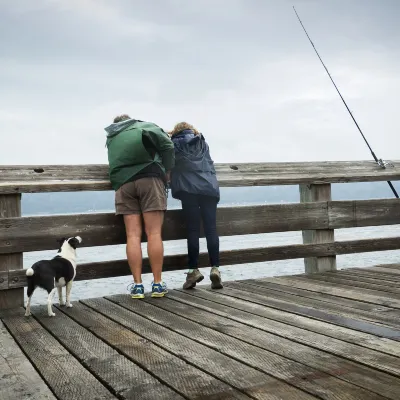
x: 380, y: 162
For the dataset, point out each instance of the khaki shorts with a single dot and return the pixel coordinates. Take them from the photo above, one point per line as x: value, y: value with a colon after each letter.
x: 140, y: 196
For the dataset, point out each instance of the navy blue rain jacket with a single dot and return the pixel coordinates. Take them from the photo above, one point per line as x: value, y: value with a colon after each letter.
x: 194, y: 170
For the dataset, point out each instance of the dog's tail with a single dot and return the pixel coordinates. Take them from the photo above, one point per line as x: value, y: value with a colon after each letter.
x: 29, y: 272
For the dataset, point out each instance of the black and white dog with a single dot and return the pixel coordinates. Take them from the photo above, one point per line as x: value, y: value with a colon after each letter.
x: 54, y: 274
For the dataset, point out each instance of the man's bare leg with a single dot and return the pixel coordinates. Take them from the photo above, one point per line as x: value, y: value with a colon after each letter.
x: 133, y: 227
x: 153, y: 222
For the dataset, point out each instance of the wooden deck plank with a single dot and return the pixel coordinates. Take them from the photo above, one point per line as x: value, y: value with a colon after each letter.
x: 344, y: 280
x: 351, y: 372
x: 124, y: 378
x: 172, y: 370
x: 365, y: 321
x: 383, y: 296
x: 18, y: 378
x: 341, y: 301
x: 379, y: 277
x: 254, y: 383
x: 66, y: 377
x: 391, y: 266
x: 241, y: 307
x: 362, y: 295
x: 336, y: 319
x: 388, y: 271
x: 375, y: 279
x: 383, y: 273
x: 298, y: 374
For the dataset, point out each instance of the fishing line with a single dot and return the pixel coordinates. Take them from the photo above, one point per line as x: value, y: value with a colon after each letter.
x: 380, y: 162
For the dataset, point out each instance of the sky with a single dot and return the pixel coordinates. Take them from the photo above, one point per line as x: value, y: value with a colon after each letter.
x: 241, y: 71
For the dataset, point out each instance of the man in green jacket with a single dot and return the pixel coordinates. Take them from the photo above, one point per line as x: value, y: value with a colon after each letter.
x: 140, y: 157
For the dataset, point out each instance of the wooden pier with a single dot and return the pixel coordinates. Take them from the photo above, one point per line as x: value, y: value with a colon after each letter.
x: 325, y: 334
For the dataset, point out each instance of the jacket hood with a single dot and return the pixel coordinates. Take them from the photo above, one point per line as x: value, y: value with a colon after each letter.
x: 115, y: 128
x: 186, y: 136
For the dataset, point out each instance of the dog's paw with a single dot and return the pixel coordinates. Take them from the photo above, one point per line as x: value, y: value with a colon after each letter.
x: 62, y: 304
x: 52, y: 315
x: 28, y: 314
x: 69, y: 305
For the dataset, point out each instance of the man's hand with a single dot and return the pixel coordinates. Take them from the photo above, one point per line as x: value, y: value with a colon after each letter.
x: 168, y: 176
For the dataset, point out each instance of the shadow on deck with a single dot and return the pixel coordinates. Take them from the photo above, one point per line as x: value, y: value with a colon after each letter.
x: 326, y: 336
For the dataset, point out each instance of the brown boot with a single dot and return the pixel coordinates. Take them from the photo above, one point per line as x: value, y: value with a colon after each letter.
x: 215, y: 277
x: 193, y: 278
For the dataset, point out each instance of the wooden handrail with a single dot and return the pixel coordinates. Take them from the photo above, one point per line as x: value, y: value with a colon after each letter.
x: 108, y: 269
x: 316, y: 215
x: 68, y: 178
x: 25, y: 234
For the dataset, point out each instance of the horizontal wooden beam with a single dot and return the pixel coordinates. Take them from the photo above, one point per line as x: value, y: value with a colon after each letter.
x: 111, y: 269
x: 68, y: 178
x: 40, y: 233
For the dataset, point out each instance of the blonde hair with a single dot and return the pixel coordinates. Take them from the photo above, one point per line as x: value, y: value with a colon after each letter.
x: 181, y: 126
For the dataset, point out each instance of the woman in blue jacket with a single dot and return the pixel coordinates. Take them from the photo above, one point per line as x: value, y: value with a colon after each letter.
x: 194, y: 182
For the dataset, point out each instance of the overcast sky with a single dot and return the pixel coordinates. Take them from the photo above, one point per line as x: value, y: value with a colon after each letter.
x: 242, y: 71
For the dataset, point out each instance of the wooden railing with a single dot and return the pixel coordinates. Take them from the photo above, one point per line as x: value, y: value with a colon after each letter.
x: 316, y: 216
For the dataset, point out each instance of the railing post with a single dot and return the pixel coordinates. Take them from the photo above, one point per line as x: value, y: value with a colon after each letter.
x: 311, y: 193
x: 10, y: 206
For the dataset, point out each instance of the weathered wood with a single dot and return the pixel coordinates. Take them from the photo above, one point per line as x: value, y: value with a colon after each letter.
x: 312, y: 193
x: 393, y: 272
x: 360, y: 320
x: 66, y: 377
x: 40, y: 233
x: 172, y: 370
x: 370, y: 276
x: 109, y: 269
x: 345, y: 285
x: 59, y: 178
x: 273, y: 364
x: 18, y: 378
x: 343, y: 302
x: 351, y: 214
x: 344, y: 280
x: 358, y: 294
x: 390, y: 266
x: 119, y: 374
x: 238, y: 305
x: 10, y: 206
x: 349, y: 371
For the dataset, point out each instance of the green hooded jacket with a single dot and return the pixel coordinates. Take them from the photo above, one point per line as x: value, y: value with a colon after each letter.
x: 127, y: 155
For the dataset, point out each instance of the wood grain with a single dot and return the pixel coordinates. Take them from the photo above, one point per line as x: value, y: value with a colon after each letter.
x: 10, y: 206
x: 290, y: 371
x: 349, y: 371
x: 369, y: 296
x: 314, y: 193
x: 53, y: 178
x: 172, y: 370
x: 124, y: 378
x: 238, y: 304
x: 66, y: 377
x: 372, y: 322
x: 17, y: 375
x: 108, y: 269
x: 41, y: 233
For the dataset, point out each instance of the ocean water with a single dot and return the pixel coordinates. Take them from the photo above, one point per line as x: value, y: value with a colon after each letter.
x: 109, y: 286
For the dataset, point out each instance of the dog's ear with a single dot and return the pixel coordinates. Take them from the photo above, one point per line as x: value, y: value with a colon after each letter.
x: 74, y: 242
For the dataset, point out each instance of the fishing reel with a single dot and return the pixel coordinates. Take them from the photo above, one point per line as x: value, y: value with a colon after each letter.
x: 384, y: 164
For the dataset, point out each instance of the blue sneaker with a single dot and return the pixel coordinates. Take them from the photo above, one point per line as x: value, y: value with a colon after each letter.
x: 137, y: 291
x: 159, y: 290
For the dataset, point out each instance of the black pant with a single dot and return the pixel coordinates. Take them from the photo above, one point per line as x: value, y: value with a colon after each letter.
x: 197, y: 208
